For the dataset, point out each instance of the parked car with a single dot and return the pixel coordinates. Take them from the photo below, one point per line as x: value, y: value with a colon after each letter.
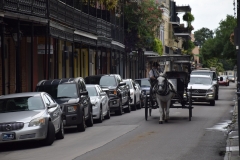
x: 203, y: 89
x: 213, y: 76
x: 119, y: 93
x: 135, y: 94
x: 145, y: 87
x: 100, y: 102
x: 223, y: 80
x: 72, y: 95
x: 141, y: 93
x: 231, y: 78
x: 30, y: 116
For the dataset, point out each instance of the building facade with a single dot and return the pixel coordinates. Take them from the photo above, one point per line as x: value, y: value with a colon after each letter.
x: 49, y: 39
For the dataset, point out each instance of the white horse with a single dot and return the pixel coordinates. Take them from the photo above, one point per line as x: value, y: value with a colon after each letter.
x: 164, y: 92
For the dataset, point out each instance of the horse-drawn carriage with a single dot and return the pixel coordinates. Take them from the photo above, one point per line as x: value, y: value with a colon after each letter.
x: 172, y: 87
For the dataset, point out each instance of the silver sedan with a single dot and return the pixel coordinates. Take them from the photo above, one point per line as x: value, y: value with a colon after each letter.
x: 100, y: 102
x: 30, y: 116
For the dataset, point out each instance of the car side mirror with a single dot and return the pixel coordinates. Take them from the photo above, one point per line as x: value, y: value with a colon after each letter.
x: 103, y: 93
x: 122, y: 84
x: 83, y: 93
x: 53, y: 105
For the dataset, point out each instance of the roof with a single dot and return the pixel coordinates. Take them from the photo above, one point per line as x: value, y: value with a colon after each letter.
x: 203, y: 76
x: 23, y: 94
x: 58, y: 81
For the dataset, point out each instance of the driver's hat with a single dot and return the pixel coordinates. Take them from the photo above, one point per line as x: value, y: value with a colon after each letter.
x: 155, y: 64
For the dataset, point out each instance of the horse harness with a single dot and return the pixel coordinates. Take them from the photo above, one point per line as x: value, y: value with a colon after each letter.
x: 168, y: 87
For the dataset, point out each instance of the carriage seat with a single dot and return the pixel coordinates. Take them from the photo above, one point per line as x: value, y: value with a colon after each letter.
x: 183, y: 76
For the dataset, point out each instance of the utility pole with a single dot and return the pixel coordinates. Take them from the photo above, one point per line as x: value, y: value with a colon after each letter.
x: 238, y: 67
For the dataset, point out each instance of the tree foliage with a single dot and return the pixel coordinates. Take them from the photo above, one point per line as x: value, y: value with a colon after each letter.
x: 202, y: 35
x: 141, y: 20
x: 220, y: 46
x: 157, y: 46
x: 188, y: 46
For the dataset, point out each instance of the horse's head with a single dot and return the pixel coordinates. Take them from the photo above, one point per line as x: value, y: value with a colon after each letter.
x: 162, y: 83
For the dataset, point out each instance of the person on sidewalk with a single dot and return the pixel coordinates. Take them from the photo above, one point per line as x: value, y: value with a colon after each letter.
x: 153, y: 75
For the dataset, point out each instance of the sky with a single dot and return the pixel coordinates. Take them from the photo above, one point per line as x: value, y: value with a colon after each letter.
x: 208, y: 13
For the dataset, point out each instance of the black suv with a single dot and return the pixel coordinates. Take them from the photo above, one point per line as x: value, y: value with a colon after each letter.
x: 119, y: 93
x: 73, y: 98
x: 213, y: 75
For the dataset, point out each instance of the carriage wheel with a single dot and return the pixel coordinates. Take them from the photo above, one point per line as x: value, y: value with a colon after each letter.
x: 146, y: 108
x: 190, y: 104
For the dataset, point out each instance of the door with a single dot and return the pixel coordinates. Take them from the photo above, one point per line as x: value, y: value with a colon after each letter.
x: 54, y: 112
x: 85, y: 100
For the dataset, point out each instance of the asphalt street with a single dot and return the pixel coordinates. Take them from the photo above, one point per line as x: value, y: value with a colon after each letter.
x: 131, y: 137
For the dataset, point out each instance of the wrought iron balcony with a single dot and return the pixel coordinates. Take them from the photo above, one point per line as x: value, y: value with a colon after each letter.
x: 103, y: 28
x: 30, y: 7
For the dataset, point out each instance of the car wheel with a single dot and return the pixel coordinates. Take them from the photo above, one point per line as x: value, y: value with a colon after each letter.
x: 212, y: 103
x: 108, y: 116
x: 119, y: 112
x: 60, y: 134
x: 128, y: 109
x: 82, y: 127
x: 50, y: 135
x: 100, y: 120
x: 89, y: 122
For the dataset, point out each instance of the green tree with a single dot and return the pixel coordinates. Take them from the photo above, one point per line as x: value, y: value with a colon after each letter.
x: 202, y: 35
x: 220, y: 46
x: 142, y: 20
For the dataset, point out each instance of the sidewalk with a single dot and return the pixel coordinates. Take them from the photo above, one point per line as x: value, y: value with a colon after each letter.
x: 232, y: 148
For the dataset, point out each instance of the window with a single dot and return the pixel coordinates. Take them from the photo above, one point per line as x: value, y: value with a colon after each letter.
x: 108, y: 81
x: 92, y: 91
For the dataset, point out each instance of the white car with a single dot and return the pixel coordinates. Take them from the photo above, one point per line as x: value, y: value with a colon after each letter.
x: 135, y: 94
x: 100, y: 102
x: 30, y: 116
x: 203, y: 89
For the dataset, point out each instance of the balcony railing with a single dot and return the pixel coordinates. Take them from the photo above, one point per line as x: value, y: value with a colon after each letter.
x: 30, y: 7
x: 66, y: 14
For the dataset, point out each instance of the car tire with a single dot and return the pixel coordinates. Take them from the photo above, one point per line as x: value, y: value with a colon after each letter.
x: 212, y: 103
x: 82, y: 127
x: 100, y: 120
x: 108, y: 116
x: 60, y: 133
x: 50, y: 135
x: 119, y: 112
x: 128, y: 109
x: 89, y: 122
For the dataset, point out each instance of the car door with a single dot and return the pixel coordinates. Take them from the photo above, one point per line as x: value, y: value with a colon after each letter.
x: 55, y: 112
x: 84, y: 98
x: 104, y: 100
x: 136, y: 91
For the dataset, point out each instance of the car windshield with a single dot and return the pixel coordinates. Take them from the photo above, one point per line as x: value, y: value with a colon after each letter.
x: 21, y: 104
x: 107, y: 81
x: 92, y: 80
x: 92, y: 91
x: 200, y: 80
x: 143, y: 82
x: 60, y: 91
x: 129, y: 84
x: 203, y: 73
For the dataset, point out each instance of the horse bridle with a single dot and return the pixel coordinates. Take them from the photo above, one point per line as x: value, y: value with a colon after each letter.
x: 167, y: 87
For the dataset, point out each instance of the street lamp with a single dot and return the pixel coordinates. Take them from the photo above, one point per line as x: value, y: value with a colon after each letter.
x: 17, y: 36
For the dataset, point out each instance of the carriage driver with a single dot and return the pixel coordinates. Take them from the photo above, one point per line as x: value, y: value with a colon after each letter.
x: 153, y: 75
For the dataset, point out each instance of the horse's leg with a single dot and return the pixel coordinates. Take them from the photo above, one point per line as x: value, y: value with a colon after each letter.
x: 167, y: 110
x: 160, y: 110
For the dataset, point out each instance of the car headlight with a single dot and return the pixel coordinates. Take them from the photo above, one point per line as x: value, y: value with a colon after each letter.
x: 72, y: 108
x: 37, y: 122
x: 210, y: 90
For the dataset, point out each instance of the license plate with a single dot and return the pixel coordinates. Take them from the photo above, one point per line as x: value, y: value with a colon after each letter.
x: 8, y: 136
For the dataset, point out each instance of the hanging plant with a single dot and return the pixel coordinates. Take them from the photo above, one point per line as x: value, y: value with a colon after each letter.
x: 110, y: 4
x: 188, y: 17
x: 157, y: 46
